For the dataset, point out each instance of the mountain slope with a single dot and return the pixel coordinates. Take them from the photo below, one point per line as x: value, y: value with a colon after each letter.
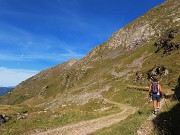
x: 4, y: 90
x: 73, y: 91
x: 141, y: 31
x: 62, y: 77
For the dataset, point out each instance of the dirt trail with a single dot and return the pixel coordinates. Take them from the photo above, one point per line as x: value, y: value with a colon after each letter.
x: 147, y: 127
x: 90, y: 126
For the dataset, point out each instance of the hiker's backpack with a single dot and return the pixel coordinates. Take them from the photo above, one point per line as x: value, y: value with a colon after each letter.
x: 154, y: 88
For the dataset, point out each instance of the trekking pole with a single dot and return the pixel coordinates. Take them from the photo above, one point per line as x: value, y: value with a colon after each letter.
x: 167, y: 107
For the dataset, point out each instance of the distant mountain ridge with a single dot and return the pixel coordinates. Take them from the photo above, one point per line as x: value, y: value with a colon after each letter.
x: 115, y: 72
x: 4, y: 90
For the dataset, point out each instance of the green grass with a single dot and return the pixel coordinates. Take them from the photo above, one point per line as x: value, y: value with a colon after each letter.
x: 89, y: 82
x: 168, y: 120
x: 117, y: 93
x: 135, y: 98
x: 40, y: 120
x: 128, y: 126
x: 138, y: 98
x: 176, y: 39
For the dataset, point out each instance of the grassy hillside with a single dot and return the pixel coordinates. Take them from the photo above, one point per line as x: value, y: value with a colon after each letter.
x: 78, y: 89
x: 47, y: 112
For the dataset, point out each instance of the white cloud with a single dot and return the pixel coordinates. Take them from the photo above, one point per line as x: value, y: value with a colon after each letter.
x: 42, y: 56
x: 12, y: 77
x: 23, y: 45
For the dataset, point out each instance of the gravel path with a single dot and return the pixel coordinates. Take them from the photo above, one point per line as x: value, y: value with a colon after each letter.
x: 90, y: 126
x: 147, y: 127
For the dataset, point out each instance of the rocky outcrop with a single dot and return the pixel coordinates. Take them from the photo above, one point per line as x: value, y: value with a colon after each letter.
x: 141, y: 31
x: 2, y: 119
x: 165, y: 43
x: 158, y: 72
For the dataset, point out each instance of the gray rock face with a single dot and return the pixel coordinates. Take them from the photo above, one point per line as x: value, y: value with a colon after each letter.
x: 145, y: 28
x: 165, y: 43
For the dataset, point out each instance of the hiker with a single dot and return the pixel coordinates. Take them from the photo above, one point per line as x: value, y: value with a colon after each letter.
x: 156, y: 91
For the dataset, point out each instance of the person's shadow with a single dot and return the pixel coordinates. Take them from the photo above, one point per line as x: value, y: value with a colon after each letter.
x: 168, y: 123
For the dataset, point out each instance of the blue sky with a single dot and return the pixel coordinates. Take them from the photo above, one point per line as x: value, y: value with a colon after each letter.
x: 38, y: 34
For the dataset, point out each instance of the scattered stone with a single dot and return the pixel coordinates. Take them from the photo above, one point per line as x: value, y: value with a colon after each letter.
x: 2, y: 119
x: 21, y: 116
x: 7, y: 118
x: 63, y: 105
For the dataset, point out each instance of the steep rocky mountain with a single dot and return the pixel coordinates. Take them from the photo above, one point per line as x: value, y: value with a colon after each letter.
x: 148, y: 47
x: 92, y: 69
x: 141, y: 31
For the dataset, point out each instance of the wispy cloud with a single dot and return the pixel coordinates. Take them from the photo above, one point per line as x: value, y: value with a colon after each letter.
x: 50, y: 57
x: 12, y: 77
x: 22, y: 45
